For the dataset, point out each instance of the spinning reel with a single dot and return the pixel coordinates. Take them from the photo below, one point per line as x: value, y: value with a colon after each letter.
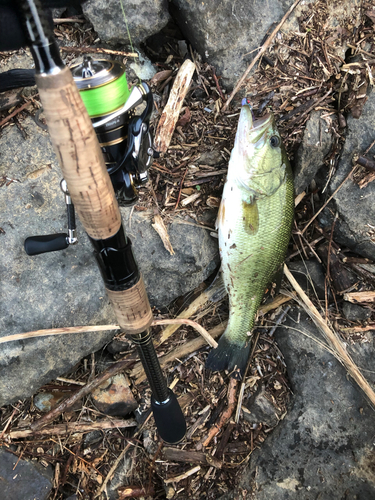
x: 124, y: 138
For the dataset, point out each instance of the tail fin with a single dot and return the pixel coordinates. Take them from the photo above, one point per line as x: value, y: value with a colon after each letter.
x: 229, y: 356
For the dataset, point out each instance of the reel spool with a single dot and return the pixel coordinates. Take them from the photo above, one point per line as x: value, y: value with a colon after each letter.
x: 104, y: 90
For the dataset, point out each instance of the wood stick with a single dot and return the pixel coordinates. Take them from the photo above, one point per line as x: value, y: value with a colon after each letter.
x: 15, y: 112
x: 70, y: 428
x: 169, y: 117
x: 98, y: 50
x: 194, y: 457
x: 58, y: 331
x: 207, y: 337
x: 259, y: 55
x: 226, y: 415
x: 135, y: 492
x: 68, y: 402
x: 186, y: 474
x: 357, y: 297
x: 332, y: 338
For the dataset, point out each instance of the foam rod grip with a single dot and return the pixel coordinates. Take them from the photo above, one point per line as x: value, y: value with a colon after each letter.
x: 79, y: 154
x: 169, y: 419
x: 35, y: 245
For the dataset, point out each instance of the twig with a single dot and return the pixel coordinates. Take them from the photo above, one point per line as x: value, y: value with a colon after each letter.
x: 14, y: 113
x: 259, y: 55
x: 58, y: 331
x: 329, y: 199
x: 98, y: 50
x: 356, y: 329
x: 194, y: 457
x: 135, y: 492
x: 242, y: 389
x: 181, y: 186
x: 332, y: 338
x: 68, y: 402
x: 207, y: 337
x: 358, y: 297
x: 226, y: 415
x: 70, y: 428
x: 186, y: 474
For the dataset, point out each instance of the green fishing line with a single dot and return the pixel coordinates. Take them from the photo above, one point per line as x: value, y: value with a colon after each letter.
x: 107, y: 98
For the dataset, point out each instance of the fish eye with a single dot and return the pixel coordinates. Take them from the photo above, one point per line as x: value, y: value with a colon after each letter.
x: 274, y: 141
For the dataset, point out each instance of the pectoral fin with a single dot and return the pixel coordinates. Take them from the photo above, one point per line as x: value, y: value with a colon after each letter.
x: 250, y: 217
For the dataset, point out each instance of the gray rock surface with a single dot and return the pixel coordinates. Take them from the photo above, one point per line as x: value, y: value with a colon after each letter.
x: 324, y: 447
x: 310, y: 276
x: 355, y: 227
x: 28, y: 480
x: 224, y: 32
x: 312, y: 151
x: 65, y: 288
x: 354, y: 312
x: 143, y: 19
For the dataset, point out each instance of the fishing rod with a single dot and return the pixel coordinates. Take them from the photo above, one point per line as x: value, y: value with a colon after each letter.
x: 89, y: 188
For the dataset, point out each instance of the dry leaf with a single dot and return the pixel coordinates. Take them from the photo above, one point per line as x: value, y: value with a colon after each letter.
x: 163, y: 233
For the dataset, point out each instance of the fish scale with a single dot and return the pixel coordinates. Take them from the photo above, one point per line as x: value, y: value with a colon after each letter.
x: 254, y: 225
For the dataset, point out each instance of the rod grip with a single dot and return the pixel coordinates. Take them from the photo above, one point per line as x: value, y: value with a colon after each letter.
x: 169, y: 419
x: 35, y: 245
x: 79, y: 154
x: 132, y: 308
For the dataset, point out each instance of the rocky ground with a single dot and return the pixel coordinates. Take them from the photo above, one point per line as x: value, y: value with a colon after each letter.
x: 305, y: 428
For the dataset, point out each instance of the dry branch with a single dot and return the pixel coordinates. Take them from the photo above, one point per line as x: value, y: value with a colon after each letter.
x: 358, y: 297
x: 70, y: 428
x: 332, y: 338
x: 193, y: 457
x: 186, y: 474
x: 58, y: 331
x: 169, y: 117
x: 226, y: 415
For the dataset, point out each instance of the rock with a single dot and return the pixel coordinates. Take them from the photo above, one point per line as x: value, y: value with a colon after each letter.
x: 143, y: 19
x: 354, y: 312
x: 312, y: 151
x: 114, y: 397
x: 142, y: 67
x: 259, y: 409
x: 169, y: 276
x: 45, y: 401
x: 91, y: 438
x: 223, y: 33
x: 65, y: 288
x: 324, y: 446
x: 28, y: 480
x: 310, y: 276
x: 47, y: 283
x: 355, y: 206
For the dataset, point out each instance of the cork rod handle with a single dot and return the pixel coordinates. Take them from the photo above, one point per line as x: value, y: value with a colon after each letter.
x: 79, y: 154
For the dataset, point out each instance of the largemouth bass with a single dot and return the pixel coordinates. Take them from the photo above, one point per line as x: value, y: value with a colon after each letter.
x: 254, y: 224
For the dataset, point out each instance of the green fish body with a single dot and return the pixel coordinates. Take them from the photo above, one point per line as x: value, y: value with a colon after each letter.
x: 254, y: 226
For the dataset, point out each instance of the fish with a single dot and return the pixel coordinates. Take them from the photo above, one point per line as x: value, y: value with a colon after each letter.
x: 254, y: 225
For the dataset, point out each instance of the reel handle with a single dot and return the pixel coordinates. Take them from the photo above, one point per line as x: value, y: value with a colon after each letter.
x: 35, y: 245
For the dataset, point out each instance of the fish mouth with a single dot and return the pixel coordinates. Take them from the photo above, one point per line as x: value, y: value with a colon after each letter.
x: 251, y: 125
